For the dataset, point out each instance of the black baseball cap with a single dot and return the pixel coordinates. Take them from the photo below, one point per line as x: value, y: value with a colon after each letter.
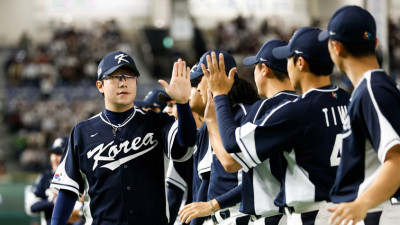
x: 59, y: 145
x: 112, y: 62
x: 228, y: 58
x: 265, y: 55
x: 350, y: 24
x: 304, y: 42
x: 152, y: 100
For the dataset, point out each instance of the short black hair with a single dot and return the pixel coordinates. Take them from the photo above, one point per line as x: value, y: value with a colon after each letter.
x: 360, y: 49
x: 317, y: 68
x: 281, y: 76
x: 242, y: 91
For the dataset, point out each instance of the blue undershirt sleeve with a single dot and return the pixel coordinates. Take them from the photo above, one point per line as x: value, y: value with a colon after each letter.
x: 230, y: 198
x: 187, y: 131
x: 226, y: 123
x: 63, y: 208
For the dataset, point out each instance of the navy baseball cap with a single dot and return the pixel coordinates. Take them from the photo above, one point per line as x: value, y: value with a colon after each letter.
x: 194, y: 81
x: 152, y: 100
x: 304, y: 42
x: 164, y: 97
x: 228, y: 58
x: 112, y: 62
x: 264, y: 55
x: 350, y: 24
x: 59, y: 145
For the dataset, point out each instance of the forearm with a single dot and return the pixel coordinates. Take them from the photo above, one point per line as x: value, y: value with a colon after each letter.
x: 230, y: 198
x: 227, y: 161
x: 63, y: 208
x: 226, y: 124
x: 387, y: 181
x: 186, y: 135
x: 42, y: 206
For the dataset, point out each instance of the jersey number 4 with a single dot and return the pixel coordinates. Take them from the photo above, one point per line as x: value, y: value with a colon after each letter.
x: 337, y: 150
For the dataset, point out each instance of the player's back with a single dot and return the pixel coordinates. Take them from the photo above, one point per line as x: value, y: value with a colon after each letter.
x: 371, y: 128
x: 308, y: 132
x: 318, y: 117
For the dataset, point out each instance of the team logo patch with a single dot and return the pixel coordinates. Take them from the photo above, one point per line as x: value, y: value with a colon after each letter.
x: 367, y: 36
x: 57, y: 176
x: 334, y: 94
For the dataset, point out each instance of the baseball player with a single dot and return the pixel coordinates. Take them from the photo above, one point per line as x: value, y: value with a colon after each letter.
x: 44, y: 197
x: 262, y: 184
x: 116, y: 157
x: 224, y: 190
x: 306, y: 131
x: 179, y: 177
x: 151, y: 101
x: 367, y: 178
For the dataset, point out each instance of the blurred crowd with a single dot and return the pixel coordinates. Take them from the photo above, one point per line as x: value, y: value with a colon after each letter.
x: 50, y: 86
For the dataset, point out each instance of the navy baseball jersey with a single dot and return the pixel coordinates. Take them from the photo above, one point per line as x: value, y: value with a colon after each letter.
x: 224, y: 186
x: 122, y: 172
x: 307, y: 131
x: 371, y: 128
x: 261, y: 184
x: 179, y: 184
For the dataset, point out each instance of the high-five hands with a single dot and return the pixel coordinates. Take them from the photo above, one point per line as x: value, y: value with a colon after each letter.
x: 179, y: 86
x: 218, y: 82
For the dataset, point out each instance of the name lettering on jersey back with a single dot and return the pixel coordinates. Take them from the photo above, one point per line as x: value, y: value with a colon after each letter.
x: 126, y: 146
x: 332, y: 115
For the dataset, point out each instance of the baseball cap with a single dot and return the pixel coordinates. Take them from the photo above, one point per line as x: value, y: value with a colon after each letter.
x: 112, y: 62
x: 164, y: 97
x: 264, y: 55
x: 59, y: 145
x: 152, y: 100
x: 304, y: 42
x: 228, y: 58
x: 350, y: 24
x: 194, y: 81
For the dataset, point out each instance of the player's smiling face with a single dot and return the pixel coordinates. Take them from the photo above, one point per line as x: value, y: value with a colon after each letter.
x: 119, y: 90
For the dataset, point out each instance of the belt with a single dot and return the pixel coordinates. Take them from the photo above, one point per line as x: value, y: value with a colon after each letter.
x: 219, y: 216
x: 314, y: 206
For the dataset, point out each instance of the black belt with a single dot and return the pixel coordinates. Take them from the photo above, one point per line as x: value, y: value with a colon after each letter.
x: 224, y: 215
x: 290, y: 209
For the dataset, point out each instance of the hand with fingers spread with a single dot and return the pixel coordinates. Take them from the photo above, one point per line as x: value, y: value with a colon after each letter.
x: 197, y: 209
x: 218, y: 82
x: 348, y: 213
x: 179, y: 86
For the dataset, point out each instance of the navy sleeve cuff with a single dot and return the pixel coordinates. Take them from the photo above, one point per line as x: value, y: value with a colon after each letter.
x: 230, y: 198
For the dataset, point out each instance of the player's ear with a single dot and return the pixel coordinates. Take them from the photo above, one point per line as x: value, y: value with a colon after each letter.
x: 265, y: 70
x: 99, y: 85
x: 336, y: 46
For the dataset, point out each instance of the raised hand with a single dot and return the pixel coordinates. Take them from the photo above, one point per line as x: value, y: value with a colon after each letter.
x: 218, y: 82
x: 179, y: 86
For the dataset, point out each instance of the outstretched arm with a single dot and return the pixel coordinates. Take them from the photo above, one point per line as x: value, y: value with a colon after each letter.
x: 385, y: 185
x: 227, y: 161
x: 220, y: 84
x: 179, y: 89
